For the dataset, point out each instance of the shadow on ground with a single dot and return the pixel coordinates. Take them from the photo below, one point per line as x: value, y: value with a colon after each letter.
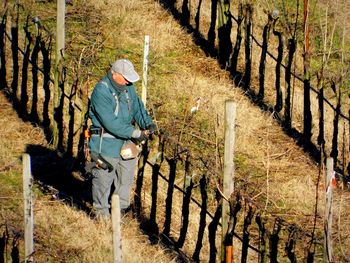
x: 59, y: 177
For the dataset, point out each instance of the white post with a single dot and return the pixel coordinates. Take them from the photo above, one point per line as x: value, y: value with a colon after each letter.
x: 60, y: 46
x: 145, y: 70
x: 228, y: 184
x: 28, y: 209
x: 330, y: 177
x: 117, y: 240
x: 60, y: 30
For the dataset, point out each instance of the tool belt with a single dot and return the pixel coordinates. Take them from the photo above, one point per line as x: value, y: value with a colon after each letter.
x: 95, y: 131
x: 128, y: 151
x: 98, y: 131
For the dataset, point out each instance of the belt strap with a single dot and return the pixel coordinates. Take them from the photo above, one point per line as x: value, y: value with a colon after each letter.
x: 95, y: 131
x: 105, y: 135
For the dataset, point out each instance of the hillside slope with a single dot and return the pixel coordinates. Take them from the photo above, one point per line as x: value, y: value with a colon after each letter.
x: 62, y: 232
x: 270, y: 166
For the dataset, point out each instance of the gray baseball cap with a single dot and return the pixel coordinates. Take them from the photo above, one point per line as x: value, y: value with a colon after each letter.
x: 126, y: 69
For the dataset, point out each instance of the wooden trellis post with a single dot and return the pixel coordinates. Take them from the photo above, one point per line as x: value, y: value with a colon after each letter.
x: 328, y: 212
x: 248, y: 45
x: 60, y: 45
x: 307, y: 76
x: 28, y: 209
x: 228, y: 186
x: 224, y: 32
x: 145, y: 70
x: 117, y: 240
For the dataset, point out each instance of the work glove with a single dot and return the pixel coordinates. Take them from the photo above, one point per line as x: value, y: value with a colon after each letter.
x: 143, y: 136
x: 152, y: 128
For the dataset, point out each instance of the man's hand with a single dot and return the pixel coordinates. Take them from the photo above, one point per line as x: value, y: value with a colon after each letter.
x: 152, y: 128
x: 143, y: 136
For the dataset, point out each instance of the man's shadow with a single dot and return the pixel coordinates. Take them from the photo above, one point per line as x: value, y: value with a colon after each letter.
x: 60, y: 177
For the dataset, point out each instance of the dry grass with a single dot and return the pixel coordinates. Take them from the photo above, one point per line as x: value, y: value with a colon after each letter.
x: 62, y: 233
x: 276, y: 172
x: 283, y: 171
x: 77, y: 238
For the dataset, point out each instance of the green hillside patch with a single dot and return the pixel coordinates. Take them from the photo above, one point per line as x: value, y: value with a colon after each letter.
x: 11, y: 182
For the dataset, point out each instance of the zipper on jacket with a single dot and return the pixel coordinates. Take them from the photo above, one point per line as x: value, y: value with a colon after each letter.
x: 128, y: 100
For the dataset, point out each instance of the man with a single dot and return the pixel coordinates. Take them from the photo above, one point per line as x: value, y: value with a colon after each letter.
x: 115, y: 109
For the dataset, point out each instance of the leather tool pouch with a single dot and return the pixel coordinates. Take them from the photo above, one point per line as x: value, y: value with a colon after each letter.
x: 129, y: 150
x: 100, y: 162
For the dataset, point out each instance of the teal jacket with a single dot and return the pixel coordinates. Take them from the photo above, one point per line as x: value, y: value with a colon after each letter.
x: 115, y: 108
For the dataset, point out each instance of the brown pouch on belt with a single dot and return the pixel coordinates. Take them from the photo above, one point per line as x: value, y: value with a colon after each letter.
x: 129, y: 150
